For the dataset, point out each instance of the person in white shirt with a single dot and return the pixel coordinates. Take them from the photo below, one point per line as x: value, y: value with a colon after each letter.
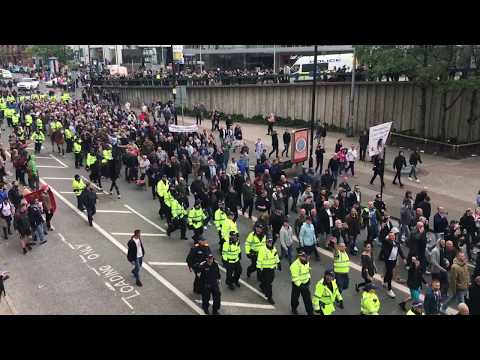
x: 351, y: 158
x: 286, y: 241
x: 232, y: 168
x: 135, y: 255
x: 259, y: 147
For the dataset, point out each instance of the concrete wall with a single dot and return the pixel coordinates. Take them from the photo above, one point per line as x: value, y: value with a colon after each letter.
x: 375, y: 103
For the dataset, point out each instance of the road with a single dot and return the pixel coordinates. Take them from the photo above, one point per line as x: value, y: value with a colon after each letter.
x: 83, y: 270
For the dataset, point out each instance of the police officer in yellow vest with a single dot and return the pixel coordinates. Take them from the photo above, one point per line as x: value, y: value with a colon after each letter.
x: 300, y: 272
x: 77, y: 150
x: 228, y: 226
x: 22, y: 98
x: 69, y: 139
x: 93, y: 165
x: 416, y: 309
x: 53, y: 98
x: 3, y: 107
x: 162, y: 188
x: 107, y: 154
x: 10, y: 99
x: 78, y: 186
x: 370, y: 304
x: 35, y: 96
x: 267, y: 262
x: 341, y: 266
x: 28, y: 123
x: 42, y: 97
x: 219, y: 218
x: 326, y: 294
x: 8, y: 115
x: 254, y: 241
x: 38, y: 137
x: 196, y: 219
x: 15, y: 119
x: 178, y: 220
x: 39, y: 124
x: 66, y: 97
x: 231, y: 255
x: 20, y: 133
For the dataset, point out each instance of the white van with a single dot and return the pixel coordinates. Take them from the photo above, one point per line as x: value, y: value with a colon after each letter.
x: 302, y: 69
x: 5, y: 74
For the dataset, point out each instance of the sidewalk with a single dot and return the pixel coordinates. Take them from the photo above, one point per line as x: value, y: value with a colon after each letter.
x: 5, y: 306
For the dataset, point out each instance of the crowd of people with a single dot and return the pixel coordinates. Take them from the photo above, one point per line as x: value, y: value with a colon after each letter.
x: 105, y: 137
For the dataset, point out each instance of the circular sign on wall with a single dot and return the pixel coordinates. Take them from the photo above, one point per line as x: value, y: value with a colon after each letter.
x: 300, y: 145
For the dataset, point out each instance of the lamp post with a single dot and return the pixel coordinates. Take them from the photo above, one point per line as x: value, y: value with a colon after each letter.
x: 349, y: 129
x: 314, y: 88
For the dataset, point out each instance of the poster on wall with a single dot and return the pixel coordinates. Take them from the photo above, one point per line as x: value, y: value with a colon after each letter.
x: 300, y: 146
x: 376, y: 133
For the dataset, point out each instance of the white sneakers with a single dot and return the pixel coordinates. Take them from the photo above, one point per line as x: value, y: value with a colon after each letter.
x: 417, y: 181
x: 409, y: 178
x: 391, y: 294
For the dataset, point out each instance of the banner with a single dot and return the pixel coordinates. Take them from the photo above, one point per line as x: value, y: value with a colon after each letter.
x: 178, y: 54
x: 300, y: 146
x: 376, y: 133
x: 183, y: 128
x: 30, y: 196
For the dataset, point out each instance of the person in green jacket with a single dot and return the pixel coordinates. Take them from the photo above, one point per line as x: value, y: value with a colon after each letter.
x: 32, y: 171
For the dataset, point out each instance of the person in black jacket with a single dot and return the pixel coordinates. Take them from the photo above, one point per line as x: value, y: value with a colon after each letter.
x: 90, y: 202
x: 198, y: 253
x: 426, y: 209
x: 368, y: 267
x: 473, y: 300
x: 287, y: 138
x: 399, y: 163
x: 378, y: 169
x: 467, y: 223
x: 414, y: 282
x: 210, y: 279
x: 274, y: 144
x: 135, y: 255
x: 363, y: 141
x: 432, y: 300
x: 440, y: 223
x: 319, y: 151
x: 390, y: 251
x: 414, y: 160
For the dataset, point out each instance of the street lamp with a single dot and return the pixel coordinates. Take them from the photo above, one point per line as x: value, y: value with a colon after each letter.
x: 314, y: 88
x: 349, y: 127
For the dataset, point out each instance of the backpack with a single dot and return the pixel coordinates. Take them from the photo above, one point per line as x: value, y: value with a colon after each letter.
x: 5, y: 211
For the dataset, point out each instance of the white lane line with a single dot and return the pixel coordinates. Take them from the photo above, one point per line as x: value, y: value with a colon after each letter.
x: 58, y: 178
x: 65, y: 241
x: 243, y: 305
x: 122, y: 247
x: 245, y: 284
x: 145, y: 218
x: 155, y: 263
x: 127, y: 303
x: 110, y: 286
x: 94, y: 185
x: 58, y: 160
x: 142, y: 234
x: 93, y: 269
x: 71, y: 192
x: 43, y: 157
x: 114, y: 211
x: 50, y: 167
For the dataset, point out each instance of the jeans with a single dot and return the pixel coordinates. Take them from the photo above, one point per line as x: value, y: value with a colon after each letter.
x: 404, y: 230
x: 287, y: 253
x: 247, y: 204
x: 137, y: 265
x: 335, y: 178
x: 39, y: 233
x: 342, y: 281
x: 459, y: 296
x: 413, y: 172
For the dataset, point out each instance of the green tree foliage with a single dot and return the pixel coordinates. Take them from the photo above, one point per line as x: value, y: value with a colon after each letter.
x: 61, y: 52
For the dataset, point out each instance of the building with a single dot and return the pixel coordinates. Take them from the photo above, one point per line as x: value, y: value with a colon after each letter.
x: 252, y: 56
x: 14, y: 54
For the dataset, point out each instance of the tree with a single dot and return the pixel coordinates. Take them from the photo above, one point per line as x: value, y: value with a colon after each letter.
x: 61, y: 52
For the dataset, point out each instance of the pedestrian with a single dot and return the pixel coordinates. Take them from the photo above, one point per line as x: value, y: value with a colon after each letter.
x: 22, y: 224
x: 438, y: 266
x: 210, y: 281
x: 248, y: 195
x: 351, y: 157
x: 270, y: 122
x: 196, y: 220
x: 368, y: 267
x: 433, y: 298
x: 406, y: 217
x: 267, y: 262
x: 414, y: 282
x: 473, y: 301
x: 253, y: 243
x: 326, y: 294
x: 319, y: 151
x: 36, y: 222
x: 390, y: 253
x: 363, y: 142
x: 440, y: 223
x: 334, y: 167
x: 274, y: 144
x: 414, y: 160
x: 287, y: 137
x: 468, y: 226
x: 459, y: 281
x: 378, y: 169
x: 114, y: 172
x: 370, y: 303
x: 90, y: 202
x: 300, y: 273
x: 78, y: 186
x: 353, y: 222
x: 286, y: 241
x: 197, y: 254
x: 135, y: 255
x: 307, y: 238
x: 231, y: 254
x: 341, y: 266
x: 6, y: 216
x: 398, y: 164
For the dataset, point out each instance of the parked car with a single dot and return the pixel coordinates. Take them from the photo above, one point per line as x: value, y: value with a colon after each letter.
x: 27, y: 84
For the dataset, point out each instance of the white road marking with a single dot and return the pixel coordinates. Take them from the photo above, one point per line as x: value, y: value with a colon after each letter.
x: 243, y: 305
x: 94, y: 185
x: 66, y: 242
x: 114, y: 211
x: 50, y: 167
x: 93, y: 269
x: 127, y: 303
x: 71, y: 192
x: 122, y: 247
x: 43, y: 157
x: 245, y: 284
x: 143, y: 234
x: 83, y: 259
x: 110, y: 286
x: 145, y: 218
x: 60, y: 162
x: 167, y: 263
x: 58, y: 178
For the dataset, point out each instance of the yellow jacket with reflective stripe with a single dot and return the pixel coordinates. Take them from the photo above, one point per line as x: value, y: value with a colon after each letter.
x: 107, y: 156
x: 77, y: 147
x: 370, y: 304
x: 168, y: 199
x: 325, y: 298
x: 39, y: 124
x: 38, y: 137
x: 341, y: 262
x: 300, y: 272
x: 227, y: 227
x: 15, y: 119
x: 28, y: 120
x: 267, y: 259
x: 177, y: 209
x: 253, y: 243
x: 162, y: 188
x: 196, y: 218
x: 68, y: 134
x: 78, y: 186
x: 231, y: 252
x: 219, y: 218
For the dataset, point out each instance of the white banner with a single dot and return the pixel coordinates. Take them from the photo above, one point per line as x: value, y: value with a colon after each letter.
x: 376, y: 133
x: 183, y: 128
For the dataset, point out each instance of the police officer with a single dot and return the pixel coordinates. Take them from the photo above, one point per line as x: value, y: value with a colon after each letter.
x: 231, y: 255
x: 326, y: 294
x: 267, y: 262
x: 78, y: 186
x: 77, y: 150
x: 370, y: 304
x: 69, y: 139
x: 162, y: 188
x: 300, y: 272
x: 15, y: 119
x: 219, y: 218
x: 252, y: 245
x: 341, y: 266
x: 39, y: 124
x: 210, y: 281
x: 197, y: 254
x: 38, y: 137
x: 93, y: 164
x: 178, y: 220
x: 227, y: 228
x: 28, y: 123
x: 196, y: 218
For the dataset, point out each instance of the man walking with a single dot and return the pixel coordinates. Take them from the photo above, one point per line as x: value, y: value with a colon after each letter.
x: 286, y: 142
x: 300, y: 272
x: 414, y: 160
x: 90, y: 201
x: 210, y: 280
x: 459, y: 281
x: 398, y: 164
x: 135, y: 255
x: 267, y: 262
x: 231, y: 254
x: 274, y: 144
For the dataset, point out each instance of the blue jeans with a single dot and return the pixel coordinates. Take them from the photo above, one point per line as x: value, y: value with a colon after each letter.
x: 136, y: 270
x: 413, y: 172
x: 288, y: 254
x: 404, y: 229
x: 458, y: 296
x: 39, y: 233
x: 335, y: 178
x: 342, y: 281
